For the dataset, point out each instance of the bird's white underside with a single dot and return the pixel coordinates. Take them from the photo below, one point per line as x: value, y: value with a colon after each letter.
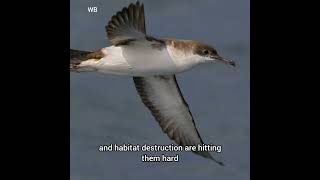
x: 141, y: 59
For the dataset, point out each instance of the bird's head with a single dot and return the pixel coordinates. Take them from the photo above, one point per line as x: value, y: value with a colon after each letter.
x: 209, y: 54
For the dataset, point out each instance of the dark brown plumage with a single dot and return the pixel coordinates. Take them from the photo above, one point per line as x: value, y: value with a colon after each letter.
x: 127, y: 24
x: 191, y: 46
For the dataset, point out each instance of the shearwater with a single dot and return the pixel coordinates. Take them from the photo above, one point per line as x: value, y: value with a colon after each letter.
x: 153, y: 63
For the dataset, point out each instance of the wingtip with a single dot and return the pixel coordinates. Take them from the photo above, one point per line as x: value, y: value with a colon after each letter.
x: 221, y: 163
x: 138, y: 3
x: 216, y: 161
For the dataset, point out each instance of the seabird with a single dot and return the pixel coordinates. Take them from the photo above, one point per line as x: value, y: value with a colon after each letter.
x: 153, y: 63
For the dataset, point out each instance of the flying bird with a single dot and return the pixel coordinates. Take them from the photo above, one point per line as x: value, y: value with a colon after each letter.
x: 153, y: 63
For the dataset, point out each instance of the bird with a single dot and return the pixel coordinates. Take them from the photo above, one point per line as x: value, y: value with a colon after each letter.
x: 153, y: 64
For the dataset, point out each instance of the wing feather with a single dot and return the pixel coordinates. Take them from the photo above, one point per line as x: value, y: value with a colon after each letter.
x: 162, y: 95
x: 127, y: 24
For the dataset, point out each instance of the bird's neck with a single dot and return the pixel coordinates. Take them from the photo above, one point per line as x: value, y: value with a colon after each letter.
x: 183, y: 56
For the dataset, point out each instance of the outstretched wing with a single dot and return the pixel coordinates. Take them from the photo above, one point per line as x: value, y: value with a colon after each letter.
x: 161, y: 94
x: 127, y: 25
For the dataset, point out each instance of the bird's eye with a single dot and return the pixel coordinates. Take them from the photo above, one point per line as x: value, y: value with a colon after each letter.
x: 205, y: 52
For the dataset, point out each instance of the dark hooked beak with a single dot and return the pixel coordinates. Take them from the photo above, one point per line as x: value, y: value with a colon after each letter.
x: 226, y: 61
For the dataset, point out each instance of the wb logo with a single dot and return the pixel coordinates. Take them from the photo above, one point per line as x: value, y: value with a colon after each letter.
x: 93, y: 9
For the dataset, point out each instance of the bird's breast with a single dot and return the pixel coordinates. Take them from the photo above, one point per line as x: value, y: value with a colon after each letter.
x: 151, y: 61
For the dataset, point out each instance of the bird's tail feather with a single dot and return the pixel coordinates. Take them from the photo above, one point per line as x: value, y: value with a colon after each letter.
x: 76, y: 57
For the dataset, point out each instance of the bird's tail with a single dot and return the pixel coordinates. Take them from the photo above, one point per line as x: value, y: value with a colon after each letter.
x: 76, y: 57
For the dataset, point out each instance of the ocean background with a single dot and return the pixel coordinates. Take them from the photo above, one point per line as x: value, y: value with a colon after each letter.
x: 107, y: 109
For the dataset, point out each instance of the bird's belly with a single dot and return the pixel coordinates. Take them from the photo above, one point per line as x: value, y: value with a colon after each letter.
x: 152, y: 65
x: 146, y: 60
x: 139, y: 62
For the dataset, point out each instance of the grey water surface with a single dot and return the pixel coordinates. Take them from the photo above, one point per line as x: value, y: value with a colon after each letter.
x: 107, y: 109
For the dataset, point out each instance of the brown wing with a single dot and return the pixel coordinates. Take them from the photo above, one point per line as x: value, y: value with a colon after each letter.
x: 161, y: 94
x: 127, y: 25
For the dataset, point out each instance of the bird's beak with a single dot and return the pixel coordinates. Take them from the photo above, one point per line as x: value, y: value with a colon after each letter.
x: 224, y: 60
